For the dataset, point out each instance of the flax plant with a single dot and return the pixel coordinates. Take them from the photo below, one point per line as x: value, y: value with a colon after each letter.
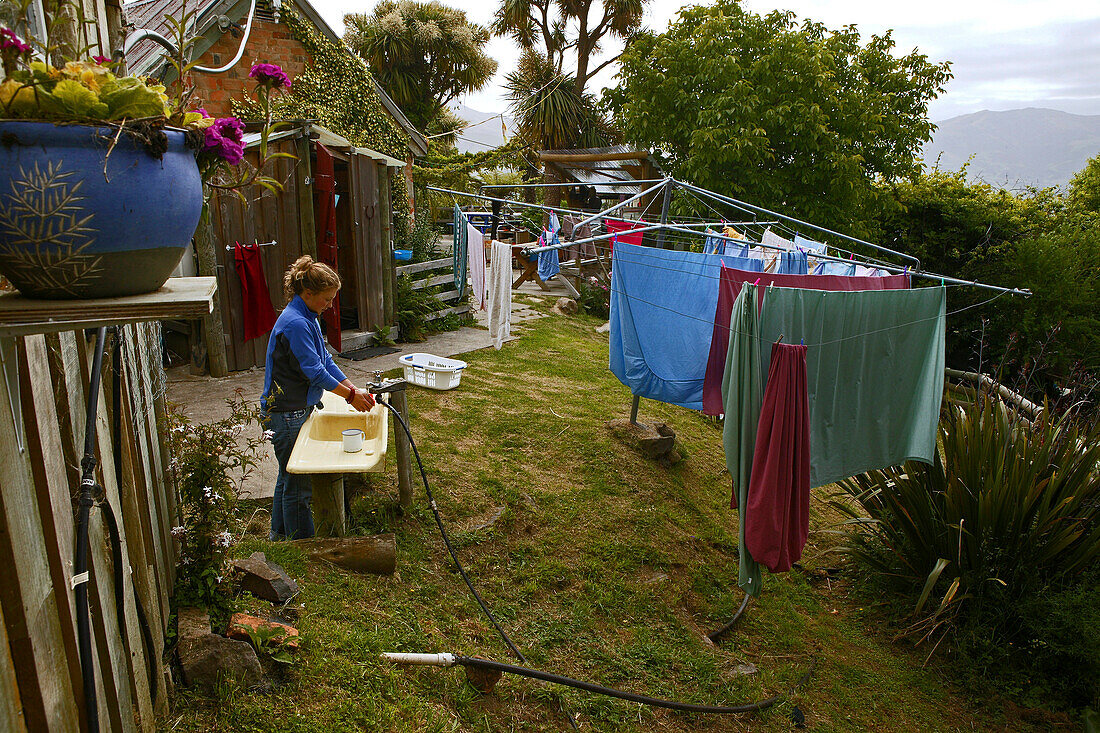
x: 1009, y: 509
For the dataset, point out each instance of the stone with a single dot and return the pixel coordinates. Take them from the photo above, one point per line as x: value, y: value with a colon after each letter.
x: 481, y: 679
x: 192, y: 624
x: 211, y: 658
x: 565, y: 307
x: 265, y: 579
x: 657, y: 442
x: 241, y: 623
x: 605, y: 328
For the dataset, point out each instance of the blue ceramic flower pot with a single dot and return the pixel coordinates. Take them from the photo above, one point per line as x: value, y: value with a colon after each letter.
x: 82, y: 219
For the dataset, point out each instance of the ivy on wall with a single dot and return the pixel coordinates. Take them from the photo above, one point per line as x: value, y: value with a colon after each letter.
x: 338, y: 91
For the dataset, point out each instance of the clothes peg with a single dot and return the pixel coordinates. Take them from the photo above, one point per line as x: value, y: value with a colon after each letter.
x: 757, y: 281
x: 780, y: 339
x: 802, y: 342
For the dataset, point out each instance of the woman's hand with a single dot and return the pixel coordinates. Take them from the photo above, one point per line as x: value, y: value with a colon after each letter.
x: 362, y: 400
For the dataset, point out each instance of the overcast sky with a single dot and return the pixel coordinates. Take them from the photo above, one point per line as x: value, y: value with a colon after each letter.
x: 1005, y: 54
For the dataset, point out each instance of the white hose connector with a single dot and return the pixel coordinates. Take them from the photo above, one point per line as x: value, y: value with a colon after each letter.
x: 426, y: 660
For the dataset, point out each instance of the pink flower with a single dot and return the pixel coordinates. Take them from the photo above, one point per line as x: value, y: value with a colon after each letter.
x: 203, y: 112
x: 8, y: 41
x: 226, y: 139
x: 101, y: 60
x: 270, y: 75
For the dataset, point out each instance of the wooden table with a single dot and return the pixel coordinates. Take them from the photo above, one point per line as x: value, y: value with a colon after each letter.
x: 530, y: 267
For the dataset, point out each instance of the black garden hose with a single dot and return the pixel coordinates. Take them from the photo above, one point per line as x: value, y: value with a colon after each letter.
x: 560, y: 679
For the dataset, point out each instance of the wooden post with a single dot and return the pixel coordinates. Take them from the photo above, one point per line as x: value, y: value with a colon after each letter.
x: 389, y: 271
x: 208, y: 267
x: 404, y: 462
x: 303, y: 184
x: 329, y: 519
x: 634, y: 410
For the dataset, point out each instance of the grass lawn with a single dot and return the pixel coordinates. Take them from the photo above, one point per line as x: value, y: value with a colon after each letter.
x: 604, y: 567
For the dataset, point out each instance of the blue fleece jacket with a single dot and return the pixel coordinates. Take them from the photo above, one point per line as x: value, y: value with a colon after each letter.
x: 298, y: 366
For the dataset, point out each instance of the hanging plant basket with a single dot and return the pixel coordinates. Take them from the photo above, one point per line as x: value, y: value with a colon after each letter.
x: 88, y: 213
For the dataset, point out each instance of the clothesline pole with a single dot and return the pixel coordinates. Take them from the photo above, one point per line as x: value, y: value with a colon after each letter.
x: 634, y: 410
x: 769, y: 212
x: 665, y: 201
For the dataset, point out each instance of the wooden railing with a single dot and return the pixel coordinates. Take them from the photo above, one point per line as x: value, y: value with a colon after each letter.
x: 420, y: 273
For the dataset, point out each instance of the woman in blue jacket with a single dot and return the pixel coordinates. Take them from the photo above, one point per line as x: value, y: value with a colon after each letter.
x: 298, y: 370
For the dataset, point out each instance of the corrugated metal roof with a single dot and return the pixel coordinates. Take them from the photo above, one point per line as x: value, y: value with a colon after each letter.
x: 327, y: 138
x: 146, y: 57
x: 594, y: 173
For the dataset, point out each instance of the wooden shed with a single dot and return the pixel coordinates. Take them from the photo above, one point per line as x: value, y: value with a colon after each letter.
x: 285, y: 225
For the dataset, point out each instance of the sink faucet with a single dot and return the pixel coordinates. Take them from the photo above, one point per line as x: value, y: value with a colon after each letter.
x: 385, y: 386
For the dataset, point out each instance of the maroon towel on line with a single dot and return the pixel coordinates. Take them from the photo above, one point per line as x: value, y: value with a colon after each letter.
x: 777, y: 515
x: 729, y: 285
x: 259, y: 316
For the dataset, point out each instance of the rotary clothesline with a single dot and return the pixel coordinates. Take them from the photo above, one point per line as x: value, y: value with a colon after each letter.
x: 873, y: 263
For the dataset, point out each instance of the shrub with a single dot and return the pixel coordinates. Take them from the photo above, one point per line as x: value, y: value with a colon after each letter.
x: 420, y: 237
x: 412, y: 306
x: 994, y: 541
x: 210, y: 461
x: 594, y: 297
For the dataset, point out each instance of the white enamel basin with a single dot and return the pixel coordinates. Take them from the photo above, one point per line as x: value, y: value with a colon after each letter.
x: 320, y: 444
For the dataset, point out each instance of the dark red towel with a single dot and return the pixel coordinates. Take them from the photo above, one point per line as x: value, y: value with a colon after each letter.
x: 729, y: 285
x: 327, y: 248
x: 615, y: 225
x: 777, y: 512
x: 259, y: 316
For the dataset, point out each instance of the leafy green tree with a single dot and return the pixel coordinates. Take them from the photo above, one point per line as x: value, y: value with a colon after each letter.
x: 560, y: 29
x: 423, y: 54
x: 786, y: 115
x: 1037, y: 240
x: 1084, y: 189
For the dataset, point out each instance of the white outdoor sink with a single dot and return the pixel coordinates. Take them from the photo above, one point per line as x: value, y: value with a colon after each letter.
x: 320, y: 444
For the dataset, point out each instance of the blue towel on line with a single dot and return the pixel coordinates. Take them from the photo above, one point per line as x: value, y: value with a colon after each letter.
x: 662, y: 319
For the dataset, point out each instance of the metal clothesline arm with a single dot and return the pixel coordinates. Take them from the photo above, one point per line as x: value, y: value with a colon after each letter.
x: 889, y: 268
x: 621, y: 204
x: 574, y: 184
x: 769, y: 212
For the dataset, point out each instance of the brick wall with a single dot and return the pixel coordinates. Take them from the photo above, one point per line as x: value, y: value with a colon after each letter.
x: 269, y: 43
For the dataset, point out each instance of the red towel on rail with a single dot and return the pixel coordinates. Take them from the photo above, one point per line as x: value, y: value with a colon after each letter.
x: 615, y: 225
x: 327, y: 248
x: 729, y: 285
x: 777, y: 511
x: 259, y: 316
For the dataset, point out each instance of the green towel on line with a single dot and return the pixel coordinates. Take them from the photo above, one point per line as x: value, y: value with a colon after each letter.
x: 874, y: 372
x: 743, y: 394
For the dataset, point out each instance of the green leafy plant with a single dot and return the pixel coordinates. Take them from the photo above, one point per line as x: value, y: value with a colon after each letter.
x: 594, y: 297
x: 1009, y: 512
x: 270, y: 641
x: 382, y: 337
x: 210, y: 462
x: 420, y: 236
x: 412, y: 306
x: 86, y: 89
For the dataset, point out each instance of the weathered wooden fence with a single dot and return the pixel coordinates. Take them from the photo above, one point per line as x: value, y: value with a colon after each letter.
x: 42, y: 422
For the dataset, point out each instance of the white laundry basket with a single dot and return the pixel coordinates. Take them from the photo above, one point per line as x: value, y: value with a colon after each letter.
x: 433, y: 372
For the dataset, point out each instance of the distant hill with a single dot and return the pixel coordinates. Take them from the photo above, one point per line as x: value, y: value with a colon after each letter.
x: 484, y: 136
x: 1040, y: 147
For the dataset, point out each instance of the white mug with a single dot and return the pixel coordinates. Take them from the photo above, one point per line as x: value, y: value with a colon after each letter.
x: 353, y: 440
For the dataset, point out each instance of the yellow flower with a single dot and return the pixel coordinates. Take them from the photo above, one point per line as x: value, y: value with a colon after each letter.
x: 16, y: 97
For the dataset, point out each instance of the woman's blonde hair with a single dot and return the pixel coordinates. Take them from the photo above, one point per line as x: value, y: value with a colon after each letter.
x: 305, y: 274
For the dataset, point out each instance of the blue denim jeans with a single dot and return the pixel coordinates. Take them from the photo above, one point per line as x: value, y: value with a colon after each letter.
x: 291, y: 511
